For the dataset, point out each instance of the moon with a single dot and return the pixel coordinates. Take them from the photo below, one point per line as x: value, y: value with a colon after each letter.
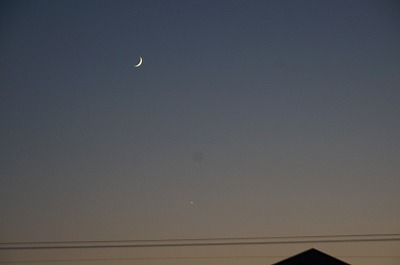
x: 140, y: 62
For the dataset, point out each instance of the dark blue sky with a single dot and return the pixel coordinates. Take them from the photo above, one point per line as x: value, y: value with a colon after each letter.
x: 273, y: 117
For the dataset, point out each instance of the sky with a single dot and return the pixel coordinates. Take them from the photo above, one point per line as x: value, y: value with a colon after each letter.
x: 246, y: 119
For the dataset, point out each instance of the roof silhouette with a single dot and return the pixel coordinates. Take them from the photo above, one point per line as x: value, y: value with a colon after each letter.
x: 311, y: 257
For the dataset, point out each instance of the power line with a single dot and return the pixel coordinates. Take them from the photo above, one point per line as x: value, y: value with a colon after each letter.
x: 198, y: 239
x: 196, y: 244
x: 145, y: 258
x: 180, y: 258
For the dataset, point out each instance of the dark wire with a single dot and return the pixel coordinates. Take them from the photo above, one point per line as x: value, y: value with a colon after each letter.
x: 194, y: 244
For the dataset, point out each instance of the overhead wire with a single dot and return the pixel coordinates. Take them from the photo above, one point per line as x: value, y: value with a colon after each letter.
x: 201, y: 239
x: 180, y: 258
x: 200, y: 242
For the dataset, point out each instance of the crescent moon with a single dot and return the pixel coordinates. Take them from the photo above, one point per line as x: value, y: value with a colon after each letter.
x: 140, y: 62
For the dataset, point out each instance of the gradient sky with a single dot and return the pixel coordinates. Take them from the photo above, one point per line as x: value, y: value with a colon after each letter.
x: 275, y: 118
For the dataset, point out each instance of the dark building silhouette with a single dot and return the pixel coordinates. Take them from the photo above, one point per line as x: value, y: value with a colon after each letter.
x: 311, y: 257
